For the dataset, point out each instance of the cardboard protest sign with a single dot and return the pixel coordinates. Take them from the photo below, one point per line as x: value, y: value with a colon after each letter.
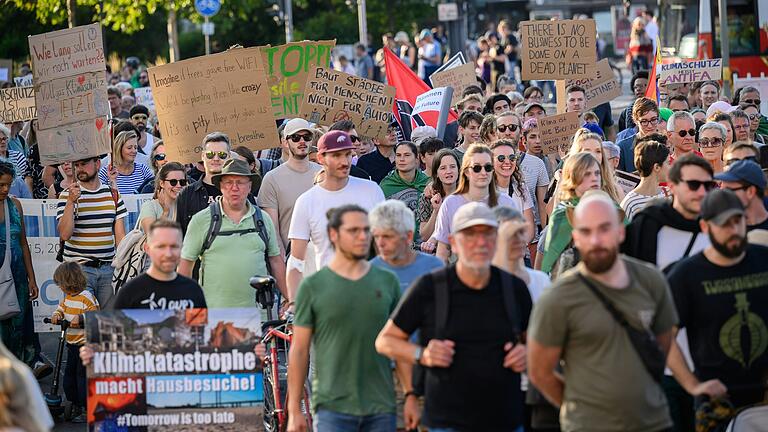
x: 557, y: 130
x: 17, y: 104
x: 604, y: 87
x: 6, y: 69
x: 72, y: 99
x: 627, y: 181
x: 558, y: 50
x: 691, y: 71
x: 172, y: 369
x: 74, y: 141
x: 455, y: 61
x: 330, y: 96
x: 288, y: 67
x: 67, y: 52
x: 224, y: 92
x: 459, y: 78
x: 144, y: 97
x: 23, y: 81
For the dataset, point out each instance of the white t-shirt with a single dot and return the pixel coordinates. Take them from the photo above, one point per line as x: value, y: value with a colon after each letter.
x: 309, y: 221
x: 451, y: 204
x: 539, y: 282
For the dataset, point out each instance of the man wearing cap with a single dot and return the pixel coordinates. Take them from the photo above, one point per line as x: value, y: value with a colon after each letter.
x: 747, y: 181
x: 429, y: 55
x: 721, y: 296
x: 139, y: 115
x: 471, y: 318
x: 238, y: 251
x: 283, y: 185
x: 309, y: 222
x: 605, y: 384
x: 534, y: 110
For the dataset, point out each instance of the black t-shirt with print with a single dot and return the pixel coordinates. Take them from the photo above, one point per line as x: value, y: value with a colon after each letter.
x: 146, y: 292
x: 725, y: 310
x: 476, y: 392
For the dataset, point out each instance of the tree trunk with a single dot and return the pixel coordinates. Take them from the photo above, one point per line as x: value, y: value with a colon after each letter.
x: 71, y: 10
x: 173, y: 34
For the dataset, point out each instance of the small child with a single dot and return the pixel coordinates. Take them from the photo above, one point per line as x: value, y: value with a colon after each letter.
x: 71, y: 279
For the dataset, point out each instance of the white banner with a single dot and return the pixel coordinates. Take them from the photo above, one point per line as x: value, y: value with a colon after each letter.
x: 43, y: 239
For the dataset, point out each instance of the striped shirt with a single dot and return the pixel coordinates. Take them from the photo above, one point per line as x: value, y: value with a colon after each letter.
x: 20, y: 163
x: 73, y: 305
x: 93, y: 234
x: 128, y: 184
x: 634, y: 202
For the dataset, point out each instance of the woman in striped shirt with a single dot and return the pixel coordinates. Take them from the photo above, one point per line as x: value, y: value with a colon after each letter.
x: 124, y: 173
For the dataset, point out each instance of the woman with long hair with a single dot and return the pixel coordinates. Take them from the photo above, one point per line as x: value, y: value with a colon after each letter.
x: 488, y: 129
x: 476, y: 183
x: 157, y: 158
x: 123, y: 172
x: 171, y: 179
x: 640, y: 53
x: 445, y: 177
x: 509, y: 178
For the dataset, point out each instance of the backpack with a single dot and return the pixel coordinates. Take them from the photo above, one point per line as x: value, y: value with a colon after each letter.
x: 214, y: 230
x: 130, y: 258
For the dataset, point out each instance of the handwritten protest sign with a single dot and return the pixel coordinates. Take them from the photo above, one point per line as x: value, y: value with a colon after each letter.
x: 67, y: 52
x: 6, y: 69
x: 23, y: 81
x: 173, y: 369
x: 459, y: 78
x: 330, y: 96
x: 557, y: 131
x: 17, y: 104
x: 71, y: 99
x: 288, y: 67
x: 692, y: 71
x: 74, y: 141
x: 602, y: 88
x: 144, y: 97
x: 224, y: 92
x: 558, y: 50
x: 627, y: 181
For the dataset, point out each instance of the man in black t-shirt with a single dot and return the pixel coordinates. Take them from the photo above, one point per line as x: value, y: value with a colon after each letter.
x: 721, y: 296
x: 470, y: 346
x: 746, y: 179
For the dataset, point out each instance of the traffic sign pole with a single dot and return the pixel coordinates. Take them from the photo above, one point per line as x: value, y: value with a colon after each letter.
x: 207, y: 39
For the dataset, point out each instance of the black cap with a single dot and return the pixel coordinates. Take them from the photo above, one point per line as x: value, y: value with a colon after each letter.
x: 720, y: 205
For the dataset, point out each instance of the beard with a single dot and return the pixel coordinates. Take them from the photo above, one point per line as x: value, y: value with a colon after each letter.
x: 729, y: 251
x: 600, y: 260
x: 85, y: 177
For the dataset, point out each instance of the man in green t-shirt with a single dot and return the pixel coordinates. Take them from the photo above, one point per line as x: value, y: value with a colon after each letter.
x: 605, y: 384
x: 339, y: 311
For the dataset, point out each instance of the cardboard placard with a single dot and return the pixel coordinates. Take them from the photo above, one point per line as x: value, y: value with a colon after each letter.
x: 459, y: 78
x: 558, y: 50
x: 455, y: 60
x: 17, y: 104
x: 330, y: 96
x: 23, y: 81
x: 627, y: 181
x: 144, y: 97
x: 72, y: 99
x: 288, y: 67
x: 62, y: 53
x: 6, y: 69
x: 557, y: 130
x: 691, y: 71
x: 599, y: 90
x: 74, y: 141
x: 225, y: 92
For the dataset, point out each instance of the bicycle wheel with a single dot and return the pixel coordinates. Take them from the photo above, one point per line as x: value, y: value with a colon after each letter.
x: 271, y: 421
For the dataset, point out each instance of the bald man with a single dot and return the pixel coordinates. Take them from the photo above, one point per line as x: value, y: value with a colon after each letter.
x: 604, y: 377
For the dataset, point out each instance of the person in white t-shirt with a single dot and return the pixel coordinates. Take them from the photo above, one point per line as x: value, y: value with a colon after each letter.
x: 337, y: 188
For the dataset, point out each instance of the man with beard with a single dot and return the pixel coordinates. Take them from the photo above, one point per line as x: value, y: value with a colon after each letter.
x: 90, y: 222
x: 604, y: 379
x: 139, y: 116
x: 721, y: 296
x: 283, y: 185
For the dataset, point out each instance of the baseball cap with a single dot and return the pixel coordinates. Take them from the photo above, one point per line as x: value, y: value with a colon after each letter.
x: 421, y: 133
x: 473, y: 214
x: 720, y: 205
x: 295, y: 125
x: 721, y: 106
x: 424, y: 33
x: 745, y: 171
x: 533, y: 104
x: 665, y: 113
x: 334, y: 141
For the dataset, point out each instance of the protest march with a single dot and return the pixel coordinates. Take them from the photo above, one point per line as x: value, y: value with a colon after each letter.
x: 504, y: 222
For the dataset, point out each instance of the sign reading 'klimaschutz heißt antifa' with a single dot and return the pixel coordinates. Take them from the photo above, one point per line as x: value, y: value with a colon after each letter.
x: 175, y: 370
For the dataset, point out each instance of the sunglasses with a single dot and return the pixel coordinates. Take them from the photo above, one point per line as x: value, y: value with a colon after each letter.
x: 477, y: 168
x: 503, y: 128
x: 298, y: 137
x: 174, y: 182
x: 683, y: 133
x: 710, y: 142
x: 511, y: 158
x: 694, y: 185
x: 752, y: 101
x: 354, y: 138
x: 754, y: 116
x: 160, y: 157
x: 222, y: 154
x: 734, y: 160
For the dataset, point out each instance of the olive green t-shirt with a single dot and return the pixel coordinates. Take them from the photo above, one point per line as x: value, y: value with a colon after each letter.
x: 345, y: 317
x: 607, y: 387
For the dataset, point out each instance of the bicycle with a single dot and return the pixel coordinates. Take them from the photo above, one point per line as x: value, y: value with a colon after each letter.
x: 277, y: 335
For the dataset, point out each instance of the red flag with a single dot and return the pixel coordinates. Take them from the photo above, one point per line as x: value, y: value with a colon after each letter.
x: 409, y: 86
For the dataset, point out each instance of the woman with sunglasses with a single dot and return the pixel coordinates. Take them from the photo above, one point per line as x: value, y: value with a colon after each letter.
x: 476, y: 183
x: 724, y: 120
x: 157, y: 159
x: 509, y: 178
x: 67, y: 178
x: 712, y: 138
x: 124, y: 173
x: 171, y: 179
x: 445, y: 177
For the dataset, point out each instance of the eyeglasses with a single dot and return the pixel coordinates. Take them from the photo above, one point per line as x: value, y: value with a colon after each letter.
x: 649, y: 122
x: 221, y: 154
x: 752, y: 101
x: 298, y: 137
x: 754, y: 116
x: 354, y: 138
x: 160, y: 157
x: 174, y: 182
x: 683, y: 133
x: 710, y: 142
x: 503, y: 128
x: 233, y: 183
x: 734, y: 160
x: 477, y: 168
x: 501, y: 158
x: 138, y: 117
x: 694, y: 185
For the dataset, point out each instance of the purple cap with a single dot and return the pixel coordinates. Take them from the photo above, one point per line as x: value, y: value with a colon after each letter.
x: 334, y: 141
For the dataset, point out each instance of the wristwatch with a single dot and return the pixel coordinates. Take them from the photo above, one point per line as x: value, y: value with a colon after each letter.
x: 417, y: 354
